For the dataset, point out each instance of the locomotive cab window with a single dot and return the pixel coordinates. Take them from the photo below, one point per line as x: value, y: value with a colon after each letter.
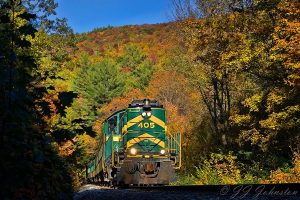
x: 121, y: 120
x: 112, y: 124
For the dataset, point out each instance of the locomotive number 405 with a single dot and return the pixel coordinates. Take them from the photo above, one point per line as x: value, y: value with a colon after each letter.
x: 146, y: 125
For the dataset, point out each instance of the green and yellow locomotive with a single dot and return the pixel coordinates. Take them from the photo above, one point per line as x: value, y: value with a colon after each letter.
x: 137, y: 148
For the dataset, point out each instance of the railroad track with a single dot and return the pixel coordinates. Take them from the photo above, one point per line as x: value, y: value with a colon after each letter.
x: 257, y: 192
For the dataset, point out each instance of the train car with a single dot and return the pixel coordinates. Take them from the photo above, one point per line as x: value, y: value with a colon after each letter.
x: 136, y: 149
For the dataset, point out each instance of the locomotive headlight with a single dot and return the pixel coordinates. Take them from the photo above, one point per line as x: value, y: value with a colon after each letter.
x: 133, y: 151
x: 144, y: 114
x: 148, y: 114
x: 162, y: 151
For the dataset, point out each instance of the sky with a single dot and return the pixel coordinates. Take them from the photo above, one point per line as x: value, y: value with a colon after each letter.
x: 85, y: 15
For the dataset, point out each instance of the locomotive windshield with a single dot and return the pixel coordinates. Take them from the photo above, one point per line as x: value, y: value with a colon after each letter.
x: 145, y: 104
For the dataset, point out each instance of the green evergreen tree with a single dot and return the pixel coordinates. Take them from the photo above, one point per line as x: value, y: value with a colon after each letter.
x: 139, y: 68
x: 99, y: 83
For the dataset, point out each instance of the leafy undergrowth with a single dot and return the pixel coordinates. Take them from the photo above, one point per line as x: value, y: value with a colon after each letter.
x: 288, y: 175
x: 222, y: 169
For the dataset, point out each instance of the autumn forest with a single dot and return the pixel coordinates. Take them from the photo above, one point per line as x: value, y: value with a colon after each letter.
x: 227, y: 72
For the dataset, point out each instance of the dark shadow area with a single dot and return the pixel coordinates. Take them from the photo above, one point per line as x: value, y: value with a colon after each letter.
x: 30, y: 167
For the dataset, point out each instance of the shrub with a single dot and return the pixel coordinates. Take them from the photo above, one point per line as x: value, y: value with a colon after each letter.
x: 219, y: 169
x: 290, y: 175
x: 186, y: 179
x: 223, y: 169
